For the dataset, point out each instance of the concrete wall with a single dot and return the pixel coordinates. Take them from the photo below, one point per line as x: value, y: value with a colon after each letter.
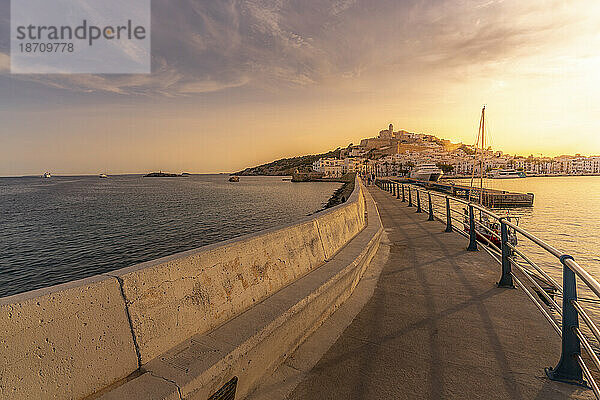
x: 173, y: 298
x: 69, y: 341
x: 64, y: 342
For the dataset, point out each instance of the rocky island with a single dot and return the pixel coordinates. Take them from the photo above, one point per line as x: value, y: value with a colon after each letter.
x: 161, y: 174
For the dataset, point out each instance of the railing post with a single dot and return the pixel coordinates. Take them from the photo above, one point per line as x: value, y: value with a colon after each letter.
x: 472, y: 232
x: 448, y: 216
x: 430, y: 208
x: 506, y: 280
x: 409, y: 196
x: 393, y: 189
x: 403, y: 198
x: 418, y: 202
x: 397, y: 190
x: 568, y: 369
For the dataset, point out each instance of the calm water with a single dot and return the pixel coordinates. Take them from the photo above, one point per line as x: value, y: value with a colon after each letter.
x: 66, y: 228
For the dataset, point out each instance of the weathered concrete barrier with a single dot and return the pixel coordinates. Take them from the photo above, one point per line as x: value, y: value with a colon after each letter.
x: 109, y: 326
x: 252, y: 345
x: 175, y: 297
x: 64, y: 342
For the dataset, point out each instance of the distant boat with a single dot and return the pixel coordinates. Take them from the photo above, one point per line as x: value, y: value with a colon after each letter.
x: 47, y: 175
x: 234, y: 179
x: 426, y: 172
x: 103, y: 176
x: 507, y: 174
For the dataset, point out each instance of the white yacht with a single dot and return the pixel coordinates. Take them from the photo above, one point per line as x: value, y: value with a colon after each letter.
x: 506, y: 174
x: 426, y: 172
x: 103, y: 176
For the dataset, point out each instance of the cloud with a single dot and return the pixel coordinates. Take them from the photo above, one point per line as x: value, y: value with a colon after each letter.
x: 201, y: 46
x: 340, y: 6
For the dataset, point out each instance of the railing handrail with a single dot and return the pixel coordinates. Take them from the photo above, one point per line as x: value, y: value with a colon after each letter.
x: 571, y: 364
x: 588, y: 279
x: 550, y: 249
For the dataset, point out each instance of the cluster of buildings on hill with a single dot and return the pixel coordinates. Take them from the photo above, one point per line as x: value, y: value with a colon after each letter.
x: 395, y: 153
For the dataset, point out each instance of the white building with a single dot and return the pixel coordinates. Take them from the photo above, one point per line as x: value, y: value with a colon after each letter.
x: 352, y: 164
x: 329, y: 167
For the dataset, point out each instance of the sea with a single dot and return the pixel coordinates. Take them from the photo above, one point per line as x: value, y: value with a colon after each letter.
x: 70, y: 227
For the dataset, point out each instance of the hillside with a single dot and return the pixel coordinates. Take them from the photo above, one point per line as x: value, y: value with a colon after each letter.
x: 287, y: 166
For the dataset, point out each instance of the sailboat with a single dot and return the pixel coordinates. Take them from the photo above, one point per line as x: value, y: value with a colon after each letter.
x: 488, y: 231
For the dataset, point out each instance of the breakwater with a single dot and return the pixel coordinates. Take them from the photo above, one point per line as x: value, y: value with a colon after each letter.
x: 75, y: 339
x: 437, y: 327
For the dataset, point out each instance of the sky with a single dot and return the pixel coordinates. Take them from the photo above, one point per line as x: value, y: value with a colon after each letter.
x: 236, y: 83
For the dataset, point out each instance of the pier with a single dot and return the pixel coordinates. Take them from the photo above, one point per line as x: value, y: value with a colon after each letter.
x: 438, y: 327
x: 385, y: 296
x: 491, y: 198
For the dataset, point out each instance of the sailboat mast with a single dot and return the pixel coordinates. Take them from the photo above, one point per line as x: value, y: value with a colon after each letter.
x: 481, y: 163
x: 479, y: 140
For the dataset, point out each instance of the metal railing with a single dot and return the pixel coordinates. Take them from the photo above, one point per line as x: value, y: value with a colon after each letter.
x: 564, y: 318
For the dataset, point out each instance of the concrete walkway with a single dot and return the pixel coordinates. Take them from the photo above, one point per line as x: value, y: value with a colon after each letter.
x: 437, y: 327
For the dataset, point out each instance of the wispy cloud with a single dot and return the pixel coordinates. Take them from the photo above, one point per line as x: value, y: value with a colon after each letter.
x: 201, y: 46
x: 340, y: 6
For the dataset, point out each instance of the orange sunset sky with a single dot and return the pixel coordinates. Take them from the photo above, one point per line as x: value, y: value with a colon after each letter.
x: 239, y: 83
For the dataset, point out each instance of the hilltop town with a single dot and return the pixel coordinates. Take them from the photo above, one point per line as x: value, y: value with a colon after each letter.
x: 395, y: 153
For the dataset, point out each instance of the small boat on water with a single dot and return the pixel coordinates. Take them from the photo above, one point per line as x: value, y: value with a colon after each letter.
x: 103, y: 176
x: 47, y: 175
x: 506, y: 174
x: 234, y: 179
x: 426, y: 172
